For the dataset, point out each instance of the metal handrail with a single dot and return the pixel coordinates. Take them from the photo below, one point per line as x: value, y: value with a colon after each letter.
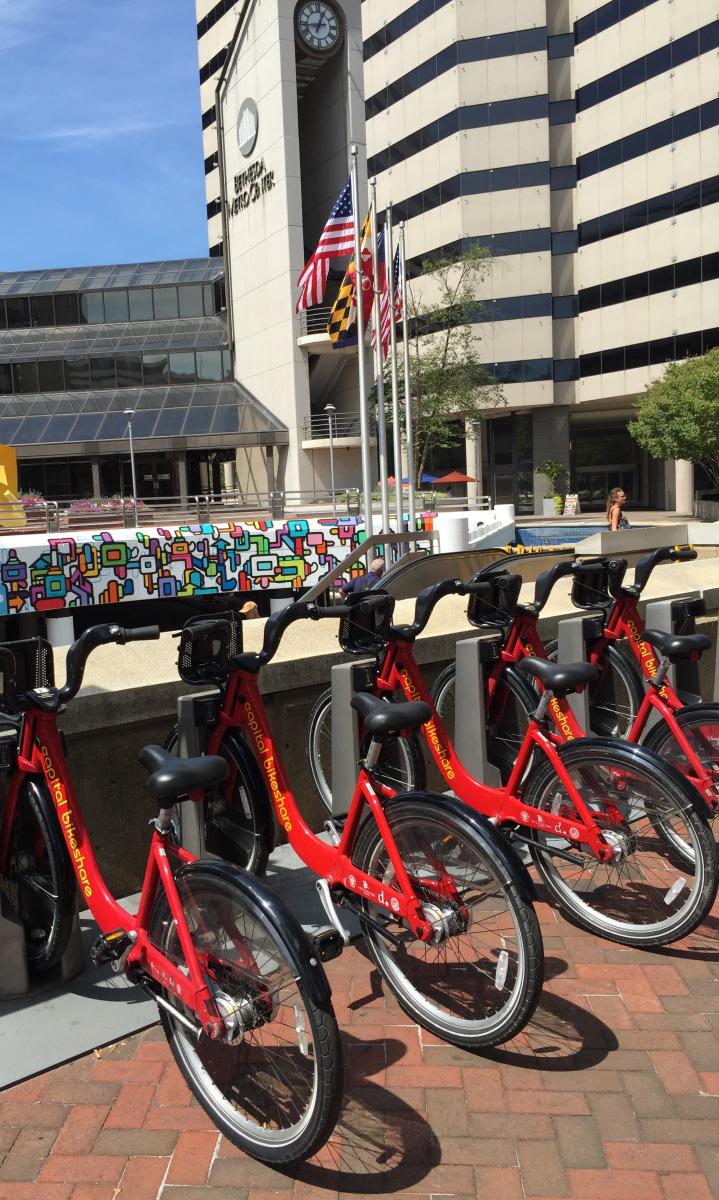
x: 315, y: 319
x: 378, y: 539
x: 344, y: 424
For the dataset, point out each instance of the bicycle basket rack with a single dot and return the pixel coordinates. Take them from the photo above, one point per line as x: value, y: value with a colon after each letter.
x: 591, y: 589
x: 206, y: 646
x: 34, y: 668
x: 365, y: 632
x: 496, y: 606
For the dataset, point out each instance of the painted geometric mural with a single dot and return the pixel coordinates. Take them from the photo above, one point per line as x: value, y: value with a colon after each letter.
x: 193, y: 560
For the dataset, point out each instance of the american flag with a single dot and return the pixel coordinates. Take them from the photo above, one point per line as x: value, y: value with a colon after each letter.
x: 337, y: 239
x: 384, y: 311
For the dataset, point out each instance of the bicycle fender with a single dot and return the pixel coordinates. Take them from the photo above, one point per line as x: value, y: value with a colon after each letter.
x: 514, y: 870
x: 640, y: 754
x: 243, y: 751
x: 283, y: 923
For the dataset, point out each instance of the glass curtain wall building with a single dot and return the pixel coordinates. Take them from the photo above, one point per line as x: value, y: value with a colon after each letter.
x: 81, y: 347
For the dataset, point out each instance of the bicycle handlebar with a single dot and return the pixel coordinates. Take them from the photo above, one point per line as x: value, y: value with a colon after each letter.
x: 276, y: 624
x: 80, y: 651
x: 646, y: 565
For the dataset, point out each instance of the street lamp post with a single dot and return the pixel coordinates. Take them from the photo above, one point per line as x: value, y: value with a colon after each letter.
x: 129, y: 413
x: 331, y: 410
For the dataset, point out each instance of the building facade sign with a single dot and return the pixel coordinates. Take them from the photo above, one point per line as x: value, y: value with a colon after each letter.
x: 250, y: 186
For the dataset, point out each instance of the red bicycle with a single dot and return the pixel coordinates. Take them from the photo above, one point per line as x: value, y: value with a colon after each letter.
x: 243, y: 1000
x: 592, y: 813
x: 443, y: 904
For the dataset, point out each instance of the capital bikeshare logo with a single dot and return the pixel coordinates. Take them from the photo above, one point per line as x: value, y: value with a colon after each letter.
x: 268, y: 764
x: 66, y: 821
x: 441, y: 751
x: 649, y: 663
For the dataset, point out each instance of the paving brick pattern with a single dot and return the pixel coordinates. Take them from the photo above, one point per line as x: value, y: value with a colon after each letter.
x: 612, y: 1093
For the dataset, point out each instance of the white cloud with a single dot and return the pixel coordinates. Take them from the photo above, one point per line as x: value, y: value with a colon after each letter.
x: 103, y: 130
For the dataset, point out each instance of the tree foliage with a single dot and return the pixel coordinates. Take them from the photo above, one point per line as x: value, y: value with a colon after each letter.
x: 449, y: 386
x: 678, y: 415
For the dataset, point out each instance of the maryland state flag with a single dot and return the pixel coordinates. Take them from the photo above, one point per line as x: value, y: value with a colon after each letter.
x: 342, y: 326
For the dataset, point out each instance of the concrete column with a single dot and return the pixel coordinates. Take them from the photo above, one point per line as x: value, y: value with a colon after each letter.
x: 270, y: 468
x: 96, y: 489
x: 550, y: 429
x: 181, y: 464
x: 684, y: 486
x: 473, y: 458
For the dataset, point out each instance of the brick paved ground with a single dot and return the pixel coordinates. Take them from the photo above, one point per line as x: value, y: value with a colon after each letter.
x: 612, y: 1093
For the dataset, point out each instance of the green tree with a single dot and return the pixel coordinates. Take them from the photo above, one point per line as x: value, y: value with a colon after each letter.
x: 678, y: 415
x: 448, y: 383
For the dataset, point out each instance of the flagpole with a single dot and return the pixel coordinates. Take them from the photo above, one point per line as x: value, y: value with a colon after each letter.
x: 361, y: 366
x: 396, y: 428
x: 379, y: 363
x: 411, y: 499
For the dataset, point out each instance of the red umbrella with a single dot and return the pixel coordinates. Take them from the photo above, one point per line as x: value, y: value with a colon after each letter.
x: 455, y: 477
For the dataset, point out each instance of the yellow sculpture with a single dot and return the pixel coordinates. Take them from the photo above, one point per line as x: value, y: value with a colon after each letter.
x: 12, y: 513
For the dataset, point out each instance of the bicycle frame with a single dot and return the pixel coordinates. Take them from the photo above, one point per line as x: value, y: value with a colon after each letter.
x: 41, y: 755
x: 502, y: 804
x: 242, y: 708
x: 624, y: 621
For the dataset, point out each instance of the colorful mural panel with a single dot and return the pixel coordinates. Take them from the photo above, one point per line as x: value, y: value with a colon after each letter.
x: 46, y: 574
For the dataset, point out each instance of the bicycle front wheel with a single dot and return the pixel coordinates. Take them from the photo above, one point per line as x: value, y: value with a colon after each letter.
x: 615, y: 696
x: 400, y: 767
x: 39, y: 885
x: 479, y: 982
x: 700, y: 726
x: 648, y: 894
x: 507, y: 716
x: 273, y: 1084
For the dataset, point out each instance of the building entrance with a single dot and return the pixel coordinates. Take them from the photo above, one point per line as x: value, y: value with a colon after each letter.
x: 508, y: 461
x: 603, y: 456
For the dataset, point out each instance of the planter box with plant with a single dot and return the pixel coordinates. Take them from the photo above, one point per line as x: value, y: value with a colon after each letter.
x: 553, y: 504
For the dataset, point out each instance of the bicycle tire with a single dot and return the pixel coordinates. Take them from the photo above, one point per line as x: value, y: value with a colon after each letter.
x: 40, y: 884
x: 401, y: 763
x: 240, y: 829
x: 618, y: 779
x: 507, y: 715
x: 244, y: 1085
x: 509, y: 925
x: 615, y: 696
x: 700, y: 725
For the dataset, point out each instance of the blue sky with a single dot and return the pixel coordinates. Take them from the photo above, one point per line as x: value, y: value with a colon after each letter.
x: 100, y: 134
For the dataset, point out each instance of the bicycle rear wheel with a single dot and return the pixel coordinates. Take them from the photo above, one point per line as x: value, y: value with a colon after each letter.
x: 39, y: 885
x: 273, y: 1085
x: 401, y: 764
x: 700, y: 726
x: 479, y: 985
x: 648, y: 894
x: 615, y: 696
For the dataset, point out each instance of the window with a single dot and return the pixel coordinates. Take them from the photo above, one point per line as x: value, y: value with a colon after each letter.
x: 92, y: 309
x: 564, y: 307
x: 227, y: 357
x: 25, y: 376
x: 661, y: 279
x: 590, y: 364
x: 562, y: 112
x: 18, y: 312
x: 51, y: 376
x: 612, y: 292
x: 612, y: 360
x: 560, y: 45
x: 182, y: 367
x: 539, y: 305
x: 42, y: 311
x: 562, y: 177
x: 209, y: 366
x: 116, y: 306
x: 67, y: 308
x: 5, y: 379
x: 661, y: 350
x: 636, y: 356
x: 155, y: 369
x: 190, y: 300
x: 129, y: 370
x: 636, y: 286
x: 140, y: 303
x: 566, y: 369
x: 102, y: 372
x: 165, y: 303
x: 564, y: 243
x: 77, y: 374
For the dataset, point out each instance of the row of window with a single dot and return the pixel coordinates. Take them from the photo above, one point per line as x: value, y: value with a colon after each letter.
x: 645, y: 354
x: 104, y: 308
x: 214, y: 207
x: 506, y: 308
x: 663, y: 133
x: 470, y: 116
x: 395, y: 29
x: 200, y: 421
x: 607, y: 15
x: 683, y: 50
x: 521, y: 241
x: 647, y: 212
x: 472, y: 183
x: 215, y: 64
x: 113, y: 371
x: 213, y: 16
x: 648, y: 283
x: 208, y: 117
x: 472, y: 50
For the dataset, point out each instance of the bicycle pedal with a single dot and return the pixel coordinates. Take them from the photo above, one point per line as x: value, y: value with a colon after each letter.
x: 109, y: 947
x: 328, y: 945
